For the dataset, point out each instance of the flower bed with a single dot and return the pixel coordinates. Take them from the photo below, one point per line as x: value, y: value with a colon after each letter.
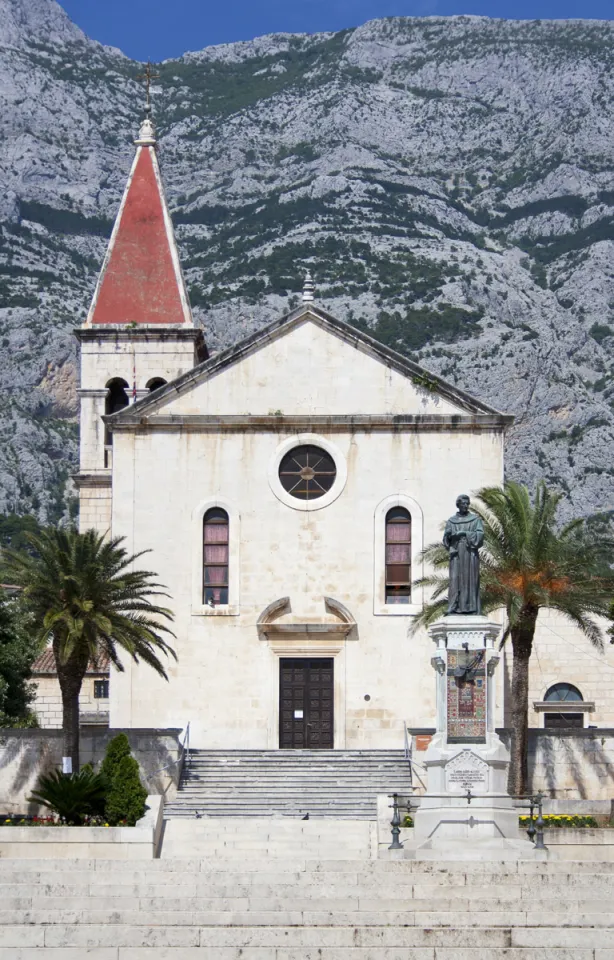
x: 562, y: 821
x: 54, y: 840
x: 15, y: 820
x: 572, y: 821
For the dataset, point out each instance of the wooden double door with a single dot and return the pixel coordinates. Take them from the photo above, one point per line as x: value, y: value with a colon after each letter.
x: 306, y: 703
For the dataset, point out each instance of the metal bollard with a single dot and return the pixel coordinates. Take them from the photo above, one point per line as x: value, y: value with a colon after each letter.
x: 395, y: 823
x: 531, y: 828
x: 539, y: 834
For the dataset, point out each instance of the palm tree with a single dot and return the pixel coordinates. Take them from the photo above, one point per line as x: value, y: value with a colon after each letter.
x: 85, y: 597
x: 529, y: 563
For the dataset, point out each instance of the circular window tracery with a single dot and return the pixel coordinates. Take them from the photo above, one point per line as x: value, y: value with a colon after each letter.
x: 307, y: 472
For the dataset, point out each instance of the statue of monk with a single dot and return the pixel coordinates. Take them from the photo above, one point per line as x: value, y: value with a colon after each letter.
x: 462, y: 538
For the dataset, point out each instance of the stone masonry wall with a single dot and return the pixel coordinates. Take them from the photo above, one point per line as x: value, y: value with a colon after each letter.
x: 25, y: 754
x: 48, y: 703
x: 572, y: 764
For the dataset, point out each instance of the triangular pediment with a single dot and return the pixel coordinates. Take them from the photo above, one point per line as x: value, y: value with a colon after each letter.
x: 307, y: 364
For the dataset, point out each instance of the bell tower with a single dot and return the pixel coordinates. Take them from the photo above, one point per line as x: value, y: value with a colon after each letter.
x: 139, y: 332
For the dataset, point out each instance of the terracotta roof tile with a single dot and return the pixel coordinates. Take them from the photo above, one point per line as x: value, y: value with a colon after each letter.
x: 141, y: 281
x: 45, y: 663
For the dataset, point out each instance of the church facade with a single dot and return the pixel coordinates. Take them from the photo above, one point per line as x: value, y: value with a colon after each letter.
x: 285, y: 489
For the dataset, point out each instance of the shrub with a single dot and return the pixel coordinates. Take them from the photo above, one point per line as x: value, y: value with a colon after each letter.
x: 117, y: 749
x: 126, y: 797
x: 73, y: 796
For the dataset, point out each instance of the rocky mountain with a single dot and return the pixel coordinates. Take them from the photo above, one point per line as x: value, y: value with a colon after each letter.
x: 450, y: 182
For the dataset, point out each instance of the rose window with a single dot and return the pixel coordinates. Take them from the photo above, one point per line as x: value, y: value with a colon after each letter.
x: 307, y: 472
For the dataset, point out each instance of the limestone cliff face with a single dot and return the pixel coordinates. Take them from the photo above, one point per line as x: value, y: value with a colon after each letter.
x: 22, y: 21
x: 449, y: 182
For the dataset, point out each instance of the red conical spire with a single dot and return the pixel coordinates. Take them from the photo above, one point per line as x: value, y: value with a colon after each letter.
x: 141, y: 280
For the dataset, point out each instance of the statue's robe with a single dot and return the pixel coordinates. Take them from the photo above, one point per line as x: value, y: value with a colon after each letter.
x: 463, y: 537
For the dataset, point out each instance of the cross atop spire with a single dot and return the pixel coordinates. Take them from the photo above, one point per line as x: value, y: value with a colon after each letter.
x: 308, y: 288
x: 147, y: 77
x: 141, y: 282
x: 147, y: 132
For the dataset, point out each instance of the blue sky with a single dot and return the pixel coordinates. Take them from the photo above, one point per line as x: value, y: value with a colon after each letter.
x: 159, y: 29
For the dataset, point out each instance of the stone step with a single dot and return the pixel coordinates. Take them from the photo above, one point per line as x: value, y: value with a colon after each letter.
x: 334, y: 783
x: 193, y: 951
x: 261, y: 789
x: 268, y: 827
x: 291, y: 811
x: 211, y: 778
x: 347, y: 772
x: 267, y: 837
x: 448, y: 872
x: 221, y: 791
x: 164, y: 935
x: 198, y: 812
x: 318, y: 917
x: 200, y: 752
x: 330, y: 905
x: 359, y: 898
x: 229, y: 761
x: 300, y: 909
x: 339, y: 800
x: 182, y: 813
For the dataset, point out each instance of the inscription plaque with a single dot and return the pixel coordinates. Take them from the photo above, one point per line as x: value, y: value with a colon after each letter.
x: 466, y: 771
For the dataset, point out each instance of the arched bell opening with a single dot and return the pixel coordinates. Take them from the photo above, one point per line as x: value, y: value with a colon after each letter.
x: 155, y: 383
x: 115, y: 400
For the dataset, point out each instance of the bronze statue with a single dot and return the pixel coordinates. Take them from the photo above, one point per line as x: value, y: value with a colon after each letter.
x: 463, y: 537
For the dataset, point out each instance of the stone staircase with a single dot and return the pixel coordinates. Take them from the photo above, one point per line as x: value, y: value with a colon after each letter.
x: 305, y: 910
x: 268, y: 838
x: 339, y: 784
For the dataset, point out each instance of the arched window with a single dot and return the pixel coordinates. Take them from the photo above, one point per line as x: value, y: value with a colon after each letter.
x: 565, y: 694
x: 563, y: 691
x: 215, y: 556
x: 155, y: 383
x: 398, y: 555
x: 115, y: 400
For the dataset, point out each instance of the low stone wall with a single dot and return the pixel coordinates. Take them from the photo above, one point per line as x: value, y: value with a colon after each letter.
x: 141, y: 842
x: 25, y: 754
x: 572, y: 764
x: 584, y: 844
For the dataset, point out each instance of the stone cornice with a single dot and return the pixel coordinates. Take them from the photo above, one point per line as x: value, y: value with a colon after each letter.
x: 81, y: 480
x: 385, y: 423
x: 564, y: 706
x: 122, y: 333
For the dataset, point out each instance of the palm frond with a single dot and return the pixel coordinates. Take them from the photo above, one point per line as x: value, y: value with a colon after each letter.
x: 85, y: 592
x: 528, y: 560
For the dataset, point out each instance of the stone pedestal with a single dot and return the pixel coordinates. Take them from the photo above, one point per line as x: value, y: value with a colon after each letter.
x: 466, y: 754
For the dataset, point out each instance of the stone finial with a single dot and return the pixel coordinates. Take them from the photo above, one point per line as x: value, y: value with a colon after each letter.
x: 147, y: 131
x: 308, y: 288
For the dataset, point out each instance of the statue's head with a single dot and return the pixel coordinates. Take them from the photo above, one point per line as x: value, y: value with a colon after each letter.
x: 462, y: 504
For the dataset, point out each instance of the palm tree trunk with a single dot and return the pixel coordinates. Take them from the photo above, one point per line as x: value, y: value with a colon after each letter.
x: 70, y: 676
x: 522, y: 645
x: 70, y: 727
